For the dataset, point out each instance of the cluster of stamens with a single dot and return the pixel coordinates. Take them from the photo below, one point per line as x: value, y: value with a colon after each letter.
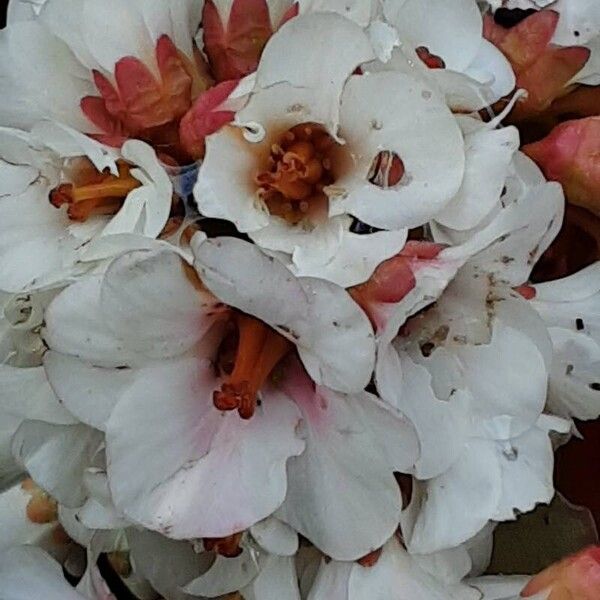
x: 298, y: 171
x: 259, y: 349
x: 95, y: 193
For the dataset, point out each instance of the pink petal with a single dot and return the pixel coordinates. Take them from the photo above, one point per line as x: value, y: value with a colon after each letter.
x: 204, y: 119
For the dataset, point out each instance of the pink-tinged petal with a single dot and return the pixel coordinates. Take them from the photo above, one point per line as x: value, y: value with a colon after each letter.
x: 113, y: 103
x: 290, y: 13
x: 569, y: 155
x: 234, y: 49
x: 176, y: 82
x: 393, y: 280
x: 542, y: 69
x: 140, y: 93
x: 95, y: 110
x: 574, y: 578
x: 546, y: 79
x: 525, y: 42
x: 354, y: 443
x: 205, y: 118
x: 179, y: 466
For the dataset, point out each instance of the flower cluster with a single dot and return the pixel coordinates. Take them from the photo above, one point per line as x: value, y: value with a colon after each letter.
x: 269, y: 321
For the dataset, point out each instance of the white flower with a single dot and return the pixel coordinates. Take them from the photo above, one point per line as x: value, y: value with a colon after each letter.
x: 448, y: 38
x: 313, y: 148
x: 44, y: 243
x: 484, y: 442
x: 98, y: 332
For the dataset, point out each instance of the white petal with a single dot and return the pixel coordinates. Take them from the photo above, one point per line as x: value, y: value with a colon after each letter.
x: 579, y: 22
x: 396, y: 576
x: 575, y: 370
x: 527, y: 468
x: 27, y: 572
x: 156, y: 480
x: 537, y: 215
x: 441, y: 423
x: 31, y: 49
x: 56, y: 457
x: 75, y: 325
x: 456, y: 505
x: 488, y: 156
x: 152, y: 287
x: 421, y: 131
x: 507, y: 407
x: 127, y: 36
x: 276, y: 580
x: 295, y: 54
x: 355, y: 260
x: 347, y: 448
x: 68, y: 142
x: 454, y: 34
x: 89, y: 392
x: 321, y: 243
x: 500, y: 587
x: 359, y: 11
x: 159, y: 194
x: 275, y: 537
x: 491, y: 68
x: 24, y: 394
x: 228, y: 575
x: 167, y: 564
x: 17, y: 528
x: 331, y: 582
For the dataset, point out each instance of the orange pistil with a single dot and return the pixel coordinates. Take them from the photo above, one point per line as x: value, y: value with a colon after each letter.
x: 431, y: 60
x: 229, y: 546
x: 104, y: 195
x: 258, y: 352
x: 299, y: 169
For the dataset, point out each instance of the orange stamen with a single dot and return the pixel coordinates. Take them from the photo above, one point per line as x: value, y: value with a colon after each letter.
x: 104, y: 197
x: 299, y: 168
x: 258, y: 352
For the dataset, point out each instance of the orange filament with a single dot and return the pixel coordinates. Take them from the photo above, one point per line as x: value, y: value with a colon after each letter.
x: 299, y: 168
x: 98, y: 197
x: 229, y: 546
x: 431, y: 60
x: 259, y: 350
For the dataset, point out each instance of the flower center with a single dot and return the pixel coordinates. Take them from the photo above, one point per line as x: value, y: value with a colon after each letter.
x: 299, y: 168
x: 433, y: 61
x: 259, y: 349
x: 95, y: 193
